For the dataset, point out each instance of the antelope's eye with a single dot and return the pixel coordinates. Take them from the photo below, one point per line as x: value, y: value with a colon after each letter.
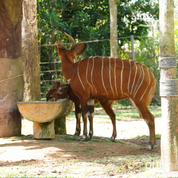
x: 50, y: 98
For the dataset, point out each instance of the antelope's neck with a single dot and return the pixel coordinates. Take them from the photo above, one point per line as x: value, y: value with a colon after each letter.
x: 68, y: 68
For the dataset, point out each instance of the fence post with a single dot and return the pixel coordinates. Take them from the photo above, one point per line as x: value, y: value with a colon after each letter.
x: 132, y: 46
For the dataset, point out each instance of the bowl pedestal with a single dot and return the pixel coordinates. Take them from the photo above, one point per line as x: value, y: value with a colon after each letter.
x: 43, y: 130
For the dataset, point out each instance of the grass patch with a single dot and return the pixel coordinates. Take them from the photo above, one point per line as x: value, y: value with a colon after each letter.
x: 142, y: 136
x: 16, y: 138
x: 158, y: 136
x: 123, y: 113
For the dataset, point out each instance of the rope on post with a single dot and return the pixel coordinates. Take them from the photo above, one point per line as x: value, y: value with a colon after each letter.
x: 168, y: 87
x: 167, y: 62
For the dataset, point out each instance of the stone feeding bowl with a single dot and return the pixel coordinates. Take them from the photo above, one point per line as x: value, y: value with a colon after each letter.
x: 48, y: 117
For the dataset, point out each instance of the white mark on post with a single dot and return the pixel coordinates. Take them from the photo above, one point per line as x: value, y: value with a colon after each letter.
x: 1, y: 101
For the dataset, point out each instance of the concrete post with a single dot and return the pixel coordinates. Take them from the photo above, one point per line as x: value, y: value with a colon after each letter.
x: 11, y: 65
x: 168, y: 87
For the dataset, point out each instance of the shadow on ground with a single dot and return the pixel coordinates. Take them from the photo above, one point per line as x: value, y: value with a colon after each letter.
x: 63, y: 148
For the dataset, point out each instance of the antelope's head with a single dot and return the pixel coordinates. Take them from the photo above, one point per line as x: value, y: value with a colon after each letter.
x: 76, y: 50
x: 57, y: 92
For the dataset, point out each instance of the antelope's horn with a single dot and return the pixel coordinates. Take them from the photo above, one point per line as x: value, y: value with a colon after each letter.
x: 57, y: 43
x: 71, y: 39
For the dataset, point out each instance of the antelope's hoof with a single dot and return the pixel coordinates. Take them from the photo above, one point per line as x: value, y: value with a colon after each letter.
x: 83, y: 138
x: 76, y: 133
x: 89, y: 137
x: 113, y: 139
x: 150, y: 146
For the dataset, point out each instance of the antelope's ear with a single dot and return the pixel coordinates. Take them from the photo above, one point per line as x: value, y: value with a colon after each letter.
x: 56, y: 85
x: 80, y: 49
x: 62, y: 89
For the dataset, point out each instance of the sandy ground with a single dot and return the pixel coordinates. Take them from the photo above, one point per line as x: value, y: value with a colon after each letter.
x: 66, y: 148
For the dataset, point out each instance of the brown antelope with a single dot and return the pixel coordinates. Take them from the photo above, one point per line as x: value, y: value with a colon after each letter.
x: 59, y: 91
x: 108, y: 77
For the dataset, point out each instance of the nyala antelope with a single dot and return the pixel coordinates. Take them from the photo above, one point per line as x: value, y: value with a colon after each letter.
x: 108, y: 77
x: 59, y: 91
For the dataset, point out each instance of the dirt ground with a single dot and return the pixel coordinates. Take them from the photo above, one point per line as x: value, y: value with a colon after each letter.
x: 64, y: 148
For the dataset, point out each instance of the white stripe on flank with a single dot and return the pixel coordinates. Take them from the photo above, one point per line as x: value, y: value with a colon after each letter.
x: 129, y: 76
x: 79, y: 76
x: 122, y: 75
x: 142, y: 79
x: 102, y: 75
x: 87, y: 72
x: 134, y: 78
x: 92, y: 74
x: 115, y: 75
x: 136, y: 86
x: 147, y: 85
x: 110, y: 76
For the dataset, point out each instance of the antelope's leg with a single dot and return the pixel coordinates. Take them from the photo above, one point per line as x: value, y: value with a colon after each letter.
x: 90, y: 104
x: 107, y: 106
x: 151, y: 125
x: 149, y: 119
x: 91, y: 127
x: 84, y: 116
x: 78, y: 114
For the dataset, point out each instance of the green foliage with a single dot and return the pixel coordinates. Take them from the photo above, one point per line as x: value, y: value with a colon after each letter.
x: 176, y: 35
x: 147, y: 52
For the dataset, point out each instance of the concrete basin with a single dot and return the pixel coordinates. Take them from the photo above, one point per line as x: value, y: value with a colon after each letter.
x: 41, y: 111
x: 43, y: 114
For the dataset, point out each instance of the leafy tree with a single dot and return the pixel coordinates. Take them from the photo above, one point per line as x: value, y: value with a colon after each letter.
x: 89, y: 20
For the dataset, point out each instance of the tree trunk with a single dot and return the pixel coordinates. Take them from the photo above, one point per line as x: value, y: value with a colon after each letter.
x: 113, y: 28
x: 168, y: 87
x: 31, y: 58
x: 11, y: 73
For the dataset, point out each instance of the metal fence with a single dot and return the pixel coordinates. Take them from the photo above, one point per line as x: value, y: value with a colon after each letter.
x: 140, y: 51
